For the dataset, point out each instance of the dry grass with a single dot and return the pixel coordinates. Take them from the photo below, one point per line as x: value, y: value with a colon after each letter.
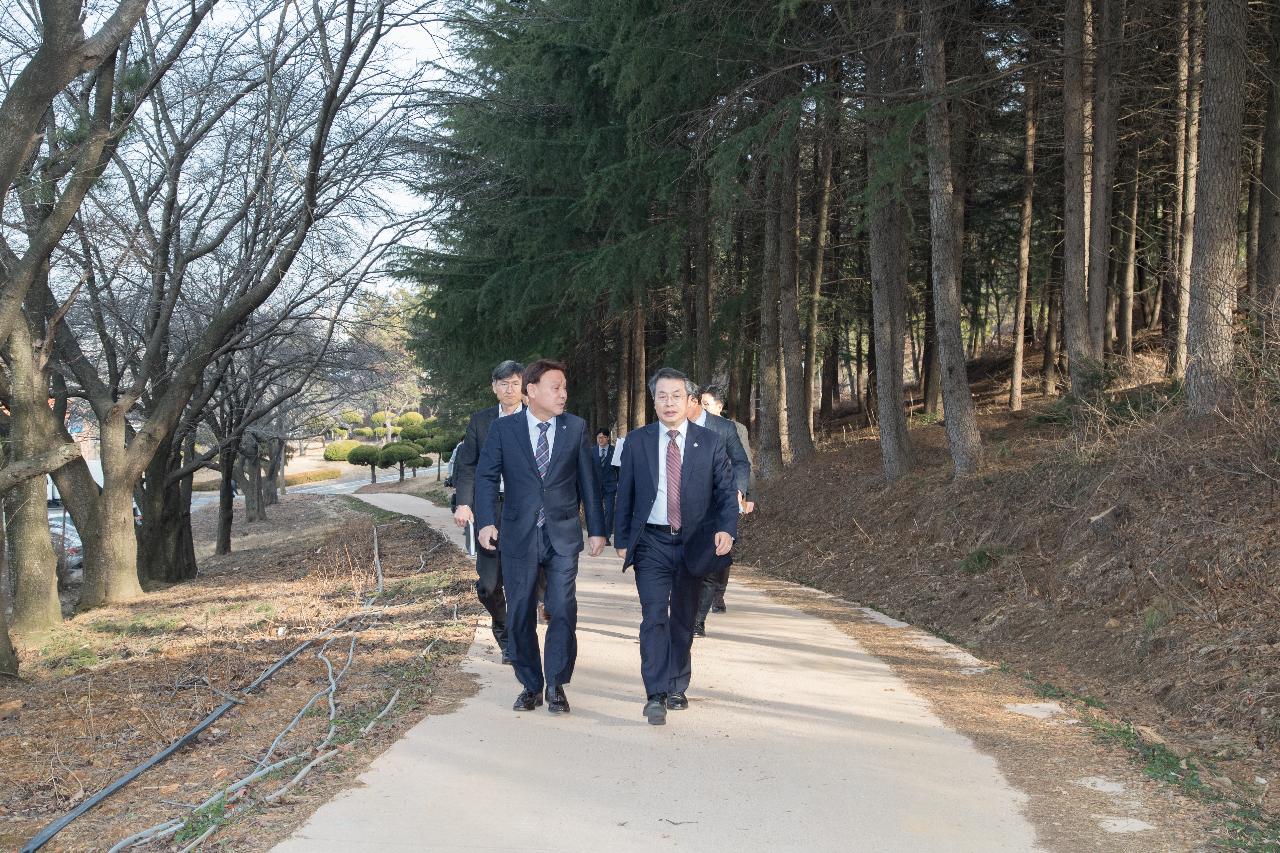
x: 115, y: 685
x: 1117, y: 549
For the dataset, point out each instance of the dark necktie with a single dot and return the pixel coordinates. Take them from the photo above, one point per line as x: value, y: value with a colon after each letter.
x: 673, y: 480
x: 543, y: 458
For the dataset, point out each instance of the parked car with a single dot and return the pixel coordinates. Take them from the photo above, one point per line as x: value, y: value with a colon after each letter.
x: 68, y: 548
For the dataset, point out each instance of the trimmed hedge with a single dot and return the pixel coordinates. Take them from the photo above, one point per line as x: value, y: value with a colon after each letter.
x: 301, y: 479
x: 364, y: 432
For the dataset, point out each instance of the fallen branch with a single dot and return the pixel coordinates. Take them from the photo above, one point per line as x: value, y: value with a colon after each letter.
x: 302, y: 774
x: 392, y: 701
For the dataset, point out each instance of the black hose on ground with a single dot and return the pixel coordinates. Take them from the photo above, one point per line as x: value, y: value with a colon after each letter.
x: 61, y: 823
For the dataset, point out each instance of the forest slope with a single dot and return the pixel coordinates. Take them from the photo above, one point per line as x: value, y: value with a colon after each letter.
x: 1129, y: 557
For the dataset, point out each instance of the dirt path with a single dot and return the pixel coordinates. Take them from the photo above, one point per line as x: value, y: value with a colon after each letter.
x: 797, y: 736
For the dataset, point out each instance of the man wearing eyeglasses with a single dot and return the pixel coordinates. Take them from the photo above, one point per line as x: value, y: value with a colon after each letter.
x: 507, y: 387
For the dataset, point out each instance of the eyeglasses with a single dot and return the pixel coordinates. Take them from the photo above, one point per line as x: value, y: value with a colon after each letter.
x: 509, y: 385
x: 677, y: 397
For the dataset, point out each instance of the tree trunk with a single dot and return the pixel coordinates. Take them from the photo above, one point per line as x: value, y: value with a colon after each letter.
x: 1181, y: 311
x: 36, y: 606
x: 704, y: 283
x: 1214, y: 274
x: 1268, y: 285
x: 1253, y: 219
x: 887, y: 246
x: 639, y: 376
x: 1125, y: 320
x: 1105, y: 94
x: 1084, y: 372
x: 622, y: 387
x: 768, y: 458
x: 793, y: 373
x: 1024, y: 244
x: 961, y: 423
x: 166, y: 551
x: 831, y: 369
x: 226, y: 499
x: 821, y: 230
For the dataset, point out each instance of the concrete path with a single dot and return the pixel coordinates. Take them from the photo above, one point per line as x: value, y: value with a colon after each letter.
x: 795, y: 739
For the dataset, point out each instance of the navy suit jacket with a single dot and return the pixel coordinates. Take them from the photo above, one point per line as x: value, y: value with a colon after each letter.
x: 468, y: 455
x: 738, y: 458
x: 571, y: 480
x: 605, y: 467
x: 708, y: 497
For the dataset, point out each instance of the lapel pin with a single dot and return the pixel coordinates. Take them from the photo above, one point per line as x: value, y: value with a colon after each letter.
x: 695, y: 444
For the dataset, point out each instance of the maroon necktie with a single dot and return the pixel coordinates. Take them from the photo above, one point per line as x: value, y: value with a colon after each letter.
x: 673, y: 480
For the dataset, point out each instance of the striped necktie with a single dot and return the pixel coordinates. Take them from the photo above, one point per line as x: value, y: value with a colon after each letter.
x: 673, y: 480
x: 543, y: 458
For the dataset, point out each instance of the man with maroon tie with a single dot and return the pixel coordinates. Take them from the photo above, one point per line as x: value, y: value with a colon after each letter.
x: 677, y: 511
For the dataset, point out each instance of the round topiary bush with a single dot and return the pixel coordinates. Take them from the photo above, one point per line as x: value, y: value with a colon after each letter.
x: 398, y: 453
x: 352, y: 417
x: 413, y: 433
x: 366, y: 454
x: 410, y: 419
x: 336, y: 451
x: 364, y: 432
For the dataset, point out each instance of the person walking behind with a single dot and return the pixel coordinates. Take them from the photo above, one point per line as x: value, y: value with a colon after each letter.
x: 544, y: 458
x: 711, y: 401
x: 677, y: 515
x: 507, y: 387
x: 608, y: 479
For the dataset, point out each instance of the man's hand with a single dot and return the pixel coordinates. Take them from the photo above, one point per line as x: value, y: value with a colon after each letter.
x: 622, y: 552
x: 462, y: 515
x: 487, y: 535
x: 724, y: 543
x: 745, y: 506
x: 596, y: 544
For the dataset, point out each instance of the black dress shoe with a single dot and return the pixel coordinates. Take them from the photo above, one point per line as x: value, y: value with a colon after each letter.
x: 556, y: 701
x: 655, y: 710
x: 527, y: 700
x: 699, y: 629
x: 676, y: 702
x: 719, y: 608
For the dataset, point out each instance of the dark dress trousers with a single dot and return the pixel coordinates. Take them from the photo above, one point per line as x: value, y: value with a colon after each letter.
x: 488, y: 563
x: 571, y: 481
x: 669, y: 567
x: 714, y: 585
x: 608, y: 484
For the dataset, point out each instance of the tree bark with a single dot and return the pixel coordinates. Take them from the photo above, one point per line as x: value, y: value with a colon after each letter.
x: 1084, y: 371
x: 1181, y: 310
x: 1053, y: 322
x: 639, y: 375
x: 1024, y: 243
x: 226, y: 498
x: 166, y: 551
x: 961, y: 423
x: 796, y: 418
x: 1268, y: 285
x: 1111, y: 21
x: 827, y: 131
x: 622, y: 387
x: 1125, y: 320
x: 887, y: 246
x: 111, y: 569
x: 704, y: 283
x: 1214, y: 272
x: 768, y: 458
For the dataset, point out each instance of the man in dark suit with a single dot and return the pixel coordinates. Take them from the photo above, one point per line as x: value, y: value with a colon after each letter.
x: 677, y: 516
x: 714, y: 585
x: 544, y: 458
x: 507, y: 387
x: 608, y: 479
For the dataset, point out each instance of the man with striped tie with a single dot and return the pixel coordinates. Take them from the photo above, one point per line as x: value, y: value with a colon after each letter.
x: 546, y: 463
x: 677, y: 512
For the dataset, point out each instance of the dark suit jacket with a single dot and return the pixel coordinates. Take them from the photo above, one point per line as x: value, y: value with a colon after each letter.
x: 708, y: 499
x: 607, y: 470
x: 738, y: 458
x: 468, y: 455
x: 571, y: 481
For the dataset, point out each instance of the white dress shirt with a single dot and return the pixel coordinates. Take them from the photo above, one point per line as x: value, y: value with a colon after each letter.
x: 617, y: 452
x: 702, y: 419
x: 502, y: 484
x: 534, y: 432
x: 659, y: 513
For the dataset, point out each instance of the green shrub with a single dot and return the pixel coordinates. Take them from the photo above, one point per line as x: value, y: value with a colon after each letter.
x: 410, y: 419
x: 352, y: 417
x: 364, y: 432
x: 380, y: 432
x: 415, y: 434
x: 398, y: 453
x: 336, y: 451
x: 382, y: 417
x: 366, y: 454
